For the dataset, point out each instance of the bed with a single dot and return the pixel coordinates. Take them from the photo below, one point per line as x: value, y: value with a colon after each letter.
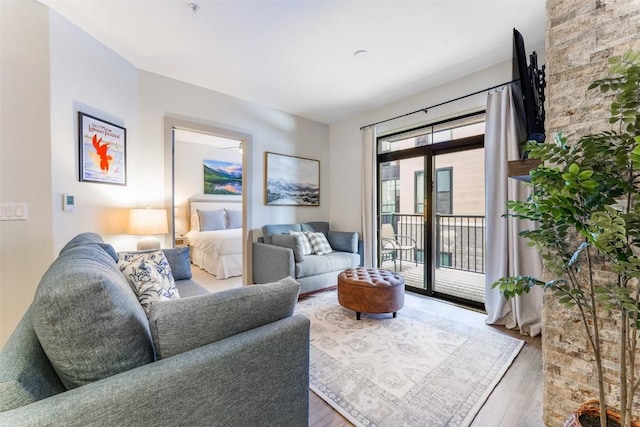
x: 215, y: 238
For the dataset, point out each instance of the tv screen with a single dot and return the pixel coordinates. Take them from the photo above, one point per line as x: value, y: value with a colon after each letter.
x: 531, y: 81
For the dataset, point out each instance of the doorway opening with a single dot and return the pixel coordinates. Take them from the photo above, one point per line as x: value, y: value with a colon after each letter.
x: 208, y: 197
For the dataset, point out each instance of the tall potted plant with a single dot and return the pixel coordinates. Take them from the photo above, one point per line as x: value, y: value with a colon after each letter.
x: 585, y: 200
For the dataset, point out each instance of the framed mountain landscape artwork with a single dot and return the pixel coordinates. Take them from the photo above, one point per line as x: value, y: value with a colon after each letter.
x: 222, y: 178
x: 291, y: 180
x: 102, y: 151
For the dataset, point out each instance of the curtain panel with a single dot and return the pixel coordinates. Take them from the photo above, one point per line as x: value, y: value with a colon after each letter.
x: 507, y: 252
x: 369, y: 197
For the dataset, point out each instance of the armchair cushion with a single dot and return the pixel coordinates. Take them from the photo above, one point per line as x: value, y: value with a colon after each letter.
x: 89, y: 322
x: 184, y: 324
x: 292, y: 242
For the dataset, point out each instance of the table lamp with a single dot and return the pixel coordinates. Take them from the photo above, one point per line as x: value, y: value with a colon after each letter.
x: 147, y: 222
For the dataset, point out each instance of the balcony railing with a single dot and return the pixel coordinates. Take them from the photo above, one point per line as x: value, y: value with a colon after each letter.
x: 460, y: 242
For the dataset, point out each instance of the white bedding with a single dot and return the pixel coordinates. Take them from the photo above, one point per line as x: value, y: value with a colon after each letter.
x: 217, y: 252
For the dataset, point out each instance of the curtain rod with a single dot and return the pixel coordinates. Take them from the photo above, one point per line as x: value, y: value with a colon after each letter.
x: 438, y: 105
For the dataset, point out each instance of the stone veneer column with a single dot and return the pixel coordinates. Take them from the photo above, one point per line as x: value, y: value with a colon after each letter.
x: 580, y: 36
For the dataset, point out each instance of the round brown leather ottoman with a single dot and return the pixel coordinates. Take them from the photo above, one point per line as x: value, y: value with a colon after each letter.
x: 370, y: 290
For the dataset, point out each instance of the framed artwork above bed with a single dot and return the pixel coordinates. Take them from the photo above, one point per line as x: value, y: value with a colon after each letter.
x: 222, y: 178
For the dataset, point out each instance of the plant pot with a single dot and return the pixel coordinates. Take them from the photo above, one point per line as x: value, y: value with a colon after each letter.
x: 592, y: 408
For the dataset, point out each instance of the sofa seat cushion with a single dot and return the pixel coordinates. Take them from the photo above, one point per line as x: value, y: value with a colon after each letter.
x: 318, y: 264
x: 87, y: 318
x: 190, y: 288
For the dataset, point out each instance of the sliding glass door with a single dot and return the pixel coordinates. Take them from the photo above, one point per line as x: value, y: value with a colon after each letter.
x: 458, y: 221
x: 431, y: 209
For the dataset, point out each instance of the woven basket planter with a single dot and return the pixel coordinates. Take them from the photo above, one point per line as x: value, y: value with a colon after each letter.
x: 592, y: 407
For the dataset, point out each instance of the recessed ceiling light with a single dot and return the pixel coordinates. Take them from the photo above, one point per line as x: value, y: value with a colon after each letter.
x: 360, y: 53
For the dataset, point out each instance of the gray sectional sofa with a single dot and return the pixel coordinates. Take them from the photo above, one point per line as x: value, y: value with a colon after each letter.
x: 277, y: 257
x: 86, y: 353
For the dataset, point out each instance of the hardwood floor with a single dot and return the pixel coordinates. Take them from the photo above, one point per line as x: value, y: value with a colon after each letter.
x: 515, y: 402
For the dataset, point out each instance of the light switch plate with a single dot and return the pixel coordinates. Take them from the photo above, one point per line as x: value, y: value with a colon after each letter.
x: 13, y: 212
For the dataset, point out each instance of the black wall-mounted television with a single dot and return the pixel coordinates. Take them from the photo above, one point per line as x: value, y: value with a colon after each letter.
x: 532, y: 83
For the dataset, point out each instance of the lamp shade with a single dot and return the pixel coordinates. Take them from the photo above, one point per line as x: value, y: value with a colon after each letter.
x: 148, y: 221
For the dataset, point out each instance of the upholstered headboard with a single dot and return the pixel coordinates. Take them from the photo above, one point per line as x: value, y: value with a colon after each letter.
x: 196, y: 203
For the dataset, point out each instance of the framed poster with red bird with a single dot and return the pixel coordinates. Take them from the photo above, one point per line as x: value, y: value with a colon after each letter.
x: 103, y: 151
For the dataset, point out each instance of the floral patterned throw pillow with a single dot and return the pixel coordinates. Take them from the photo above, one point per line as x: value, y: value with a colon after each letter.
x: 149, y: 274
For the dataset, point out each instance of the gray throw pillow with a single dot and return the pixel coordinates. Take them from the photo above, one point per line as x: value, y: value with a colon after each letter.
x: 291, y: 242
x: 179, y: 261
x: 211, y: 220
x: 345, y: 241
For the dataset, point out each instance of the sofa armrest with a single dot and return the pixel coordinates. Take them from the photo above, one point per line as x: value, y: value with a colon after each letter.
x: 181, y: 325
x: 343, y: 241
x: 271, y: 263
x: 257, y: 378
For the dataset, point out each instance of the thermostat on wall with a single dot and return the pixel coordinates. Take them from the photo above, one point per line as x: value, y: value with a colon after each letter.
x: 68, y: 202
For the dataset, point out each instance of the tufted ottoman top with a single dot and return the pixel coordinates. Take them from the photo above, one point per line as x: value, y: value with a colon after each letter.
x: 361, y: 276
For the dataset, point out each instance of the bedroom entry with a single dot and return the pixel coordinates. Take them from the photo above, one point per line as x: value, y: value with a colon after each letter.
x: 209, y: 198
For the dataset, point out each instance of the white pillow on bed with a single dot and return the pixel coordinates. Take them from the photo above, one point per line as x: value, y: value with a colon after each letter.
x: 211, y: 220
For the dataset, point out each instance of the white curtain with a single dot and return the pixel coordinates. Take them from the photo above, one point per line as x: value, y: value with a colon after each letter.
x: 369, y: 198
x: 507, y: 253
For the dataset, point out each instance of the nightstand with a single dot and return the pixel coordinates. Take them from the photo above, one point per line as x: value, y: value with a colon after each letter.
x: 181, y: 241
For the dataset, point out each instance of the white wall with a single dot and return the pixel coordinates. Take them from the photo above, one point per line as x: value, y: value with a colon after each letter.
x: 50, y: 71
x: 26, y: 248
x: 345, y: 144
x: 87, y: 76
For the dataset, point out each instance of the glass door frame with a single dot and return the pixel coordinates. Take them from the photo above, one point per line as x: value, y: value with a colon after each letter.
x: 428, y: 152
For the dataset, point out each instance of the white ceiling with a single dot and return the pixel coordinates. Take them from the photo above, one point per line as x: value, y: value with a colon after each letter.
x: 298, y: 55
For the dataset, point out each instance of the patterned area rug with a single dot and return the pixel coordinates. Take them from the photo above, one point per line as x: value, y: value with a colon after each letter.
x: 415, y: 370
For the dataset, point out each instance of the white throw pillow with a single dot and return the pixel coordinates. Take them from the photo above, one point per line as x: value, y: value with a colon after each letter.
x: 149, y: 274
x: 319, y: 243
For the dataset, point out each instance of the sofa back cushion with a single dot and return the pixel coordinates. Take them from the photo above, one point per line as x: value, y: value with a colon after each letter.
x: 271, y: 229
x: 87, y: 318
x: 316, y: 226
x: 26, y: 375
